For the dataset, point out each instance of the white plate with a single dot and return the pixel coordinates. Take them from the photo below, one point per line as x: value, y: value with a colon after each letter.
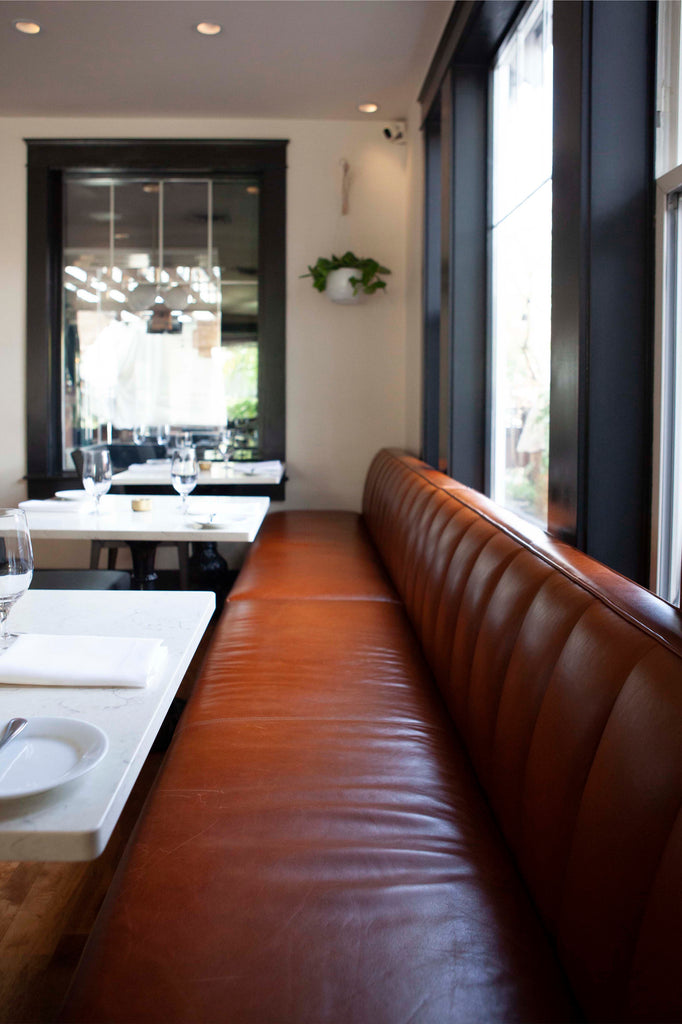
x: 74, y: 495
x: 48, y: 753
x: 206, y: 522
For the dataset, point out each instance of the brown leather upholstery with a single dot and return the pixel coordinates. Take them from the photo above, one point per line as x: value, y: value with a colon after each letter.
x: 314, y: 554
x: 321, y: 847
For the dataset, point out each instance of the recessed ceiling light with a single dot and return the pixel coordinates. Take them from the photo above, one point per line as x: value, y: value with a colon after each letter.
x: 253, y: 190
x: 209, y: 28
x: 368, y: 108
x: 29, y: 28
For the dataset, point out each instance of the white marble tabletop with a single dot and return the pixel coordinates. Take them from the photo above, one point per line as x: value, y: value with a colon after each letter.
x: 74, y: 821
x: 246, y: 473
x: 236, y: 519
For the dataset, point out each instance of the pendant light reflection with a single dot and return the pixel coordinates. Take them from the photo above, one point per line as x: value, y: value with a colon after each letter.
x: 163, y: 297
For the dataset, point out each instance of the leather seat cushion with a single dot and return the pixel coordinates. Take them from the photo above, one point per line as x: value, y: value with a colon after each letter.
x: 313, y: 554
x: 318, y: 849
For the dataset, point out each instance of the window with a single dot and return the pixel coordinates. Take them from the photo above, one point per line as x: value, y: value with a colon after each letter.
x: 155, y: 295
x: 545, y: 120
x: 521, y: 233
x: 667, y: 521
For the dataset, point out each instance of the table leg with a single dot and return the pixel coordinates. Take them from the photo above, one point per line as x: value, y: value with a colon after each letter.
x: 208, y: 570
x: 144, y: 556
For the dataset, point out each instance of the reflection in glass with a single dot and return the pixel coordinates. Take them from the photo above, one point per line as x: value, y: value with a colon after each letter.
x: 160, y: 309
x: 97, y: 473
x: 16, y: 566
x: 184, y: 474
x: 521, y: 241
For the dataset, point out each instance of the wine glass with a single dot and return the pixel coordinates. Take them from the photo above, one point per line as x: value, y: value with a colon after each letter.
x: 226, y: 444
x: 163, y: 434
x: 184, y: 471
x: 16, y: 566
x: 97, y: 473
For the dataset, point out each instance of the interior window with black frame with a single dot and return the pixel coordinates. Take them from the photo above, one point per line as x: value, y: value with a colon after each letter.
x: 155, y: 298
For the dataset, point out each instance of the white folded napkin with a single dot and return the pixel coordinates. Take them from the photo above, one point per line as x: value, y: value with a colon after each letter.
x: 40, y: 660
x: 52, y: 505
x: 257, y: 468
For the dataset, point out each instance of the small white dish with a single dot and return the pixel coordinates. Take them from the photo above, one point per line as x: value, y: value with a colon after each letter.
x: 74, y: 495
x: 213, y: 522
x: 48, y: 753
x: 206, y: 522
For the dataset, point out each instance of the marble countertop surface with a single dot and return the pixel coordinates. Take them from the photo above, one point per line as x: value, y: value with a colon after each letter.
x: 74, y: 821
x: 237, y: 519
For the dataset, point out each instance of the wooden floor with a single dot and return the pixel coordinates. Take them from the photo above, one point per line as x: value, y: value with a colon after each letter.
x: 47, y: 910
x: 46, y: 913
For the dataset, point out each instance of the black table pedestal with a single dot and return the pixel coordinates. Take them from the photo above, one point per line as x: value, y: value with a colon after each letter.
x: 144, y: 556
x: 208, y: 570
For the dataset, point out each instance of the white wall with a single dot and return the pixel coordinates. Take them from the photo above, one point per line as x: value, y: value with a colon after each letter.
x: 345, y: 365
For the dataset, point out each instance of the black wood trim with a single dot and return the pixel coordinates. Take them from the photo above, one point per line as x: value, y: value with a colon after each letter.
x: 447, y: 253
x: 456, y: 365
x: 569, y: 297
x: 619, y: 402
x: 48, y: 159
x: 473, y: 34
x: 271, y: 305
x: 470, y: 276
x: 601, y: 418
x: 431, y: 292
x: 461, y: 15
x: 45, y: 487
x: 195, y: 156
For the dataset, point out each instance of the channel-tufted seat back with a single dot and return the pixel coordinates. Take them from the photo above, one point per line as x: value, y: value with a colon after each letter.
x: 565, y: 683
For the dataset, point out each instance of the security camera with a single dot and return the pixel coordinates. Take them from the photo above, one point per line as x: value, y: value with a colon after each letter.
x: 396, y: 132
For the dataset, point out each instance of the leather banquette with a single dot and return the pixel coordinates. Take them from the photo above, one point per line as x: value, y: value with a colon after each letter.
x: 431, y: 772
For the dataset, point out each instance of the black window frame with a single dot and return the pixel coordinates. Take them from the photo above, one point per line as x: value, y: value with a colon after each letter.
x: 48, y: 160
x: 603, y: 261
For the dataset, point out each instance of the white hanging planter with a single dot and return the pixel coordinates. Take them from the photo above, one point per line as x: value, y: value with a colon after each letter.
x: 339, y: 288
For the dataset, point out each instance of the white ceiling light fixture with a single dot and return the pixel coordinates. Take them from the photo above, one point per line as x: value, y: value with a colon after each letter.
x: 208, y: 28
x: 27, y: 28
x: 77, y: 272
x: 368, y: 108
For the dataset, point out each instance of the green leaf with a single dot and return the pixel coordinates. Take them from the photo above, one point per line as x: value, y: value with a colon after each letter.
x: 368, y: 280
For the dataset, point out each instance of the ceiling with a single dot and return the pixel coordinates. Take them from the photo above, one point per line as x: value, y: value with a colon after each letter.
x: 273, y: 58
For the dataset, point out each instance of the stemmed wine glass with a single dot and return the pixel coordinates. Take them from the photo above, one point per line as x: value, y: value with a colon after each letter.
x: 226, y: 444
x: 16, y: 566
x: 163, y: 434
x: 184, y: 471
x: 97, y: 473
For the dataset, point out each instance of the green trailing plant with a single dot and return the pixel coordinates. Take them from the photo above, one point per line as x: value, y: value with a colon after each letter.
x: 367, y: 280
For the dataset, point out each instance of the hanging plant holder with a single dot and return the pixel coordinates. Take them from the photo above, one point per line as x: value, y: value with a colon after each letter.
x: 340, y: 287
x: 346, y: 279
